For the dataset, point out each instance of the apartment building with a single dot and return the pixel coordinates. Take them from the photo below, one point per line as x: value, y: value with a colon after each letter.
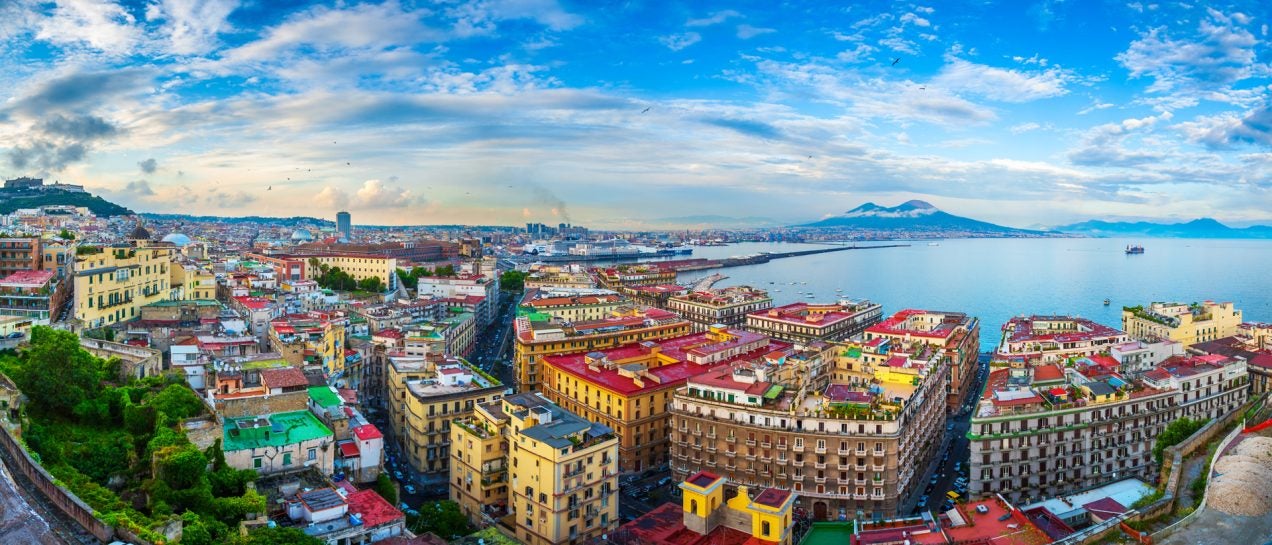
x: 113, y: 282
x: 570, y: 305
x: 855, y: 447
x: 538, y: 335
x: 1040, y: 432
x: 1034, y: 340
x: 308, y: 266
x: 1251, y: 343
x: 956, y: 334
x: 38, y: 295
x: 805, y: 323
x: 558, y: 276
x: 425, y: 395
x: 629, y: 388
x: 20, y: 254
x: 191, y: 282
x: 728, y: 306
x: 1187, y: 323
x: 633, y: 275
x: 481, y: 289
x: 705, y: 516
x: 309, y: 339
x: 561, y: 471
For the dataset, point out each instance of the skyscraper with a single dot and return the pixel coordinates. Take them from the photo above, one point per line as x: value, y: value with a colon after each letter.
x: 344, y: 225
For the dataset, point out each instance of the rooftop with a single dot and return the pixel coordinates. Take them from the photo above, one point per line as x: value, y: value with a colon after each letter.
x: 814, y: 314
x: 273, y: 431
x: 28, y: 279
x: 374, y: 509
x: 1055, y: 329
x: 921, y: 323
x: 324, y: 397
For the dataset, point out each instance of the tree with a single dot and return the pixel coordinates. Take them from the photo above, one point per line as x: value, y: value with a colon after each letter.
x: 371, y: 284
x: 385, y: 488
x: 1175, y: 433
x: 512, y: 281
x: 66, y: 235
x: 56, y: 374
x: 442, y: 518
x: 176, y: 402
x: 277, y: 536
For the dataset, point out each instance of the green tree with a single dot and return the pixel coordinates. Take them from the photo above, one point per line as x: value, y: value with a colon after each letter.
x: 1175, y: 433
x: 277, y: 536
x: 56, y: 374
x: 371, y: 284
x: 177, y: 402
x: 183, y: 467
x: 512, y: 281
x: 385, y: 488
x: 442, y: 518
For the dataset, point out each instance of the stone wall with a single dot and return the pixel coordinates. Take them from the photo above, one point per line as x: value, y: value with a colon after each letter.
x: 263, y: 404
x: 68, y: 503
x: 138, y: 361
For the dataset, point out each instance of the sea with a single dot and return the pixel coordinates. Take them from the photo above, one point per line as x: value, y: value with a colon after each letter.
x: 996, y: 279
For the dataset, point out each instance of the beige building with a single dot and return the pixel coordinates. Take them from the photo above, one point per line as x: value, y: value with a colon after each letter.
x: 1186, y: 323
x: 1036, y: 340
x: 852, y: 440
x: 955, y: 333
x: 569, y: 305
x: 562, y: 470
x: 559, y: 276
x: 113, y: 282
x: 426, y: 394
x: 805, y: 323
x: 727, y: 306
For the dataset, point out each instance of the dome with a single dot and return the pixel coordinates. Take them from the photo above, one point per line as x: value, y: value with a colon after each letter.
x: 177, y: 239
x: 139, y: 233
x: 302, y: 234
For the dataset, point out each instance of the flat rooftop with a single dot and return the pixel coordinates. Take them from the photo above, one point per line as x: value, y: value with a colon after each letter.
x: 274, y: 430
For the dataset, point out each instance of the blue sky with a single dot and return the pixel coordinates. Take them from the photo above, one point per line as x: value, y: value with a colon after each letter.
x: 644, y: 114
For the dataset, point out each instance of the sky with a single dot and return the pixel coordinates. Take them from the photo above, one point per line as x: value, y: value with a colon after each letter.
x: 637, y: 114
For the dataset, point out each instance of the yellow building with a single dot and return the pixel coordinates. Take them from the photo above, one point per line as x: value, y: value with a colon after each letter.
x: 308, y: 267
x: 537, y: 335
x: 1188, y: 324
x: 58, y: 256
x: 704, y: 516
x: 562, y: 470
x: 309, y: 339
x: 191, y: 283
x: 113, y: 282
x: 426, y: 395
x: 629, y: 388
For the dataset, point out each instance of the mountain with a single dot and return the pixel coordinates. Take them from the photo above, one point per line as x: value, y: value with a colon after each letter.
x: 290, y: 222
x: 915, y: 217
x: 11, y: 200
x: 1198, y: 228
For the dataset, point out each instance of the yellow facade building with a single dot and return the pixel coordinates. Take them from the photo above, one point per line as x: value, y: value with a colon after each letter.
x: 538, y: 335
x: 191, y: 283
x: 704, y: 516
x: 562, y: 470
x: 309, y: 339
x: 113, y: 282
x: 426, y: 394
x: 1188, y: 324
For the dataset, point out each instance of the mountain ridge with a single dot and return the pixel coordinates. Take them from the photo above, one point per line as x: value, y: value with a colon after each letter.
x: 1196, y: 228
x: 915, y: 216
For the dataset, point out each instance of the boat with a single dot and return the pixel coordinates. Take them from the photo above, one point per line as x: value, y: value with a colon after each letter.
x: 1135, y: 249
x: 810, y: 296
x: 1106, y: 302
x: 934, y: 244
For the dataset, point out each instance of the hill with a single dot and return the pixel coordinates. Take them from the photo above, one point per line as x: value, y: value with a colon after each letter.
x: 290, y: 222
x: 916, y: 217
x: 11, y: 200
x: 1198, y: 228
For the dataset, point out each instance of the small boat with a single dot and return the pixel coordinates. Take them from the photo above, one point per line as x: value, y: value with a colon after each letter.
x: 934, y: 244
x: 810, y: 296
x: 1134, y: 249
x: 1106, y: 302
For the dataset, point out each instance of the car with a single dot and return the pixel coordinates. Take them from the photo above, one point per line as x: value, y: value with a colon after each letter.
x: 410, y: 489
x: 922, y: 502
x: 947, y: 505
x: 663, y: 481
x: 397, y: 475
x: 958, y: 466
x: 949, y: 427
x: 933, y: 480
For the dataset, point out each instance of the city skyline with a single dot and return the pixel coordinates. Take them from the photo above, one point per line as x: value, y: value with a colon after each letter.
x: 537, y: 111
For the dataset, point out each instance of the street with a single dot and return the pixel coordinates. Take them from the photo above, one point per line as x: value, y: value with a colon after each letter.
x: 954, y: 452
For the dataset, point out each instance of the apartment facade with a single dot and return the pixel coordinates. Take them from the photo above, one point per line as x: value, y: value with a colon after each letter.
x: 19, y: 254
x: 852, y: 448
x: 805, y: 323
x: 562, y: 470
x: 1036, y: 340
x: 309, y: 339
x: 481, y: 289
x: 629, y: 388
x: 425, y: 395
x: 113, y: 282
x: 569, y: 305
x: 956, y: 334
x: 728, y: 306
x: 1036, y: 437
x: 1185, y: 323
x: 536, y: 336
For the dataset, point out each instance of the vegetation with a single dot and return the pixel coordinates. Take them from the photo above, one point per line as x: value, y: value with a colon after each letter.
x: 386, y: 489
x: 119, y: 446
x: 1149, y: 499
x: 66, y: 235
x: 335, y: 279
x: 35, y: 199
x: 411, y: 278
x: 1175, y: 433
x: 512, y: 281
x: 101, y: 334
x: 442, y: 518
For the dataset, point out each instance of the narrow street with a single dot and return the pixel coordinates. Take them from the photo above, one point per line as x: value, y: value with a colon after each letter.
x: 941, y: 474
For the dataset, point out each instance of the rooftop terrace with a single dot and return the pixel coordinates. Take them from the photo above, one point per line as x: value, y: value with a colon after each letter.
x: 273, y: 431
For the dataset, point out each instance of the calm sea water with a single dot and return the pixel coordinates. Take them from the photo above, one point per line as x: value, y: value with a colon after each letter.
x: 995, y: 279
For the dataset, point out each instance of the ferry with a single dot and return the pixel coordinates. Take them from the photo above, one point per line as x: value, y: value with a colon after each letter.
x: 1134, y: 249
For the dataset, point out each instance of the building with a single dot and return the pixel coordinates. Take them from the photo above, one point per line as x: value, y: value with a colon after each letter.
x: 1186, y: 323
x: 559, y: 276
x: 805, y: 323
x: 621, y: 276
x: 955, y: 333
x: 850, y: 438
x: 19, y: 254
x: 278, y: 442
x: 426, y: 395
x: 113, y: 282
x: 256, y: 386
x: 1034, y: 340
x: 706, y: 517
x: 453, y: 335
x: 985, y: 522
x: 58, y: 256
x: 37, y: 295
x: 473, y: 285
x: 308, y: 266
x: 1043, y: 431
x: 1137, y: 357
x: 192, y: 283
x: 629, y: 388
x: 569, y: 305
x: 562, y: 484
x: 1250, y: 344
x: 407, y: 253
x: 24, y: 183
x: 728, y: 306
x: 344, y: 225
x: 309, y: 339
x: 537, y: 335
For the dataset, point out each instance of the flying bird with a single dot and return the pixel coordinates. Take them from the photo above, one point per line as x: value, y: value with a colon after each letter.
x: 922, y: 88
x: 646, y: 109
x: 810, y: 156
x: 348, y: 163
x: 269, y: 188
x: 895, y: 61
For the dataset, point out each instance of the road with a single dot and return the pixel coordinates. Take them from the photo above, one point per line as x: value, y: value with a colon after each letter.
x: 954, y: 451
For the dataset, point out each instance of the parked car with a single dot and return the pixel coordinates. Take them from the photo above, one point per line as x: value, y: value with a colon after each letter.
x: 663, y: 481
x: 958, y: 466
x: 922, y: 502
x: 397, y: 475
x: 933, y: 481
x: 410, y: 489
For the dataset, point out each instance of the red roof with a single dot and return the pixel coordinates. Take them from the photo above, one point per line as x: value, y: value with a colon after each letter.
x: 254, y: 303
x: 367, y: 432
x: 1105, y: 508
x: 896, y: 361
x: 773, y: 497
x: 284, y: 377
x: 1105, y: 361
x: 1262, y: 360
x: 373, y: 509
x: 32, y: 278
x: 349, y: 449
x: 703, y: 479
x: 665, y: 526
x: 1044, y: 373
x: 1058, y: 391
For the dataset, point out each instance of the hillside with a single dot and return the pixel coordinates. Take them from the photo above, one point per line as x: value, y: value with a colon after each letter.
x: 915, y: 217
x: 1198, y: 228
x: 12, y: 200
x: 292, y: 221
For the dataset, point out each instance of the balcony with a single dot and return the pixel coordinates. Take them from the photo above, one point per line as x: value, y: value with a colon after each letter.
x: 819, y: 480
x: 821, y: 450
x: 766, y: 444
x: 781, y: 446
x: 819, y: 465
x: 731, y: 439
x: 711, y: 462
x: 877, y: 496
x: 766, y: 459
x: 798, y: 463
x: 878, y: 467
x: 731, y: 453
x: 750, y: 442
x: 797, y: 448
x: 859, y: 482
x: 730, y: 467
x: 843, y: 467
x: 711, y: 448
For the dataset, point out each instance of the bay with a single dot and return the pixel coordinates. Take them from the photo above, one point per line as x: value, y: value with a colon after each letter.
x: 995, y: 279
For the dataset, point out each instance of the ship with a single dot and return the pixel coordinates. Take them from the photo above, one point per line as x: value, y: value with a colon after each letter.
x: 1134, y: 249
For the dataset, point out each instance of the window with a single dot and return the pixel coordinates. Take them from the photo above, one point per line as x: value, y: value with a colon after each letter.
x: 256, y: 463
x: 286, y: 458
x: 313, y: 454
x: 765, y: 528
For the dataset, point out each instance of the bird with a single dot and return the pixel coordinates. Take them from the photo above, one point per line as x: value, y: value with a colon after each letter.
x: 269, y: 188
x: 348, y: 163
x: 922, y: 88
x: 810, y: 156
x: 646, y: 109
x: 895, y: 61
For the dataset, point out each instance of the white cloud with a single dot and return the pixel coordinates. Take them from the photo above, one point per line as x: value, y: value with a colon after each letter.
x: 912, y: 19
x: 856, y: 54
x: 99, y: 24
x: 747, y: 32
x: 323, y: 31
x: 713, y: 19
x: 1219, y: 54
x: 192, y: 26
x: 1001, y: 84
x: 1025, y: 127
x: 676, y: 42
x: 1095, y: 106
